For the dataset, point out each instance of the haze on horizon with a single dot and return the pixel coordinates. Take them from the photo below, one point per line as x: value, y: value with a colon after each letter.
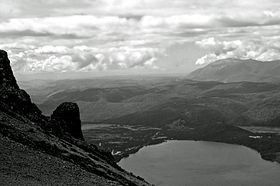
x: 115, y: 37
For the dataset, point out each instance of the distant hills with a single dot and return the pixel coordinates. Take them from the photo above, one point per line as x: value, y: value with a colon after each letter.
x: 164, y: 103
x: 236, y: 70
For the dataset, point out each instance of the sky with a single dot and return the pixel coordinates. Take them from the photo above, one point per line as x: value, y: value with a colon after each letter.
x: 105, y: 37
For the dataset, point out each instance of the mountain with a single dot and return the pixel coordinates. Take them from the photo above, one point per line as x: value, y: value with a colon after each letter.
x: 236, y: 70
x: 42, y: 150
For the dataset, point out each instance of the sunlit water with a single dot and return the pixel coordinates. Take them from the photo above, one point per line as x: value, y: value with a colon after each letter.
x: 183, y: 163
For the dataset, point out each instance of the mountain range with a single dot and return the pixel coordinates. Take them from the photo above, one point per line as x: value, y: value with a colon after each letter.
x: 162, y: 103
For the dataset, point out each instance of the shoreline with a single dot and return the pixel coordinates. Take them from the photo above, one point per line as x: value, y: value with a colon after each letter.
x: 118, y: 159
x: 256, y: 144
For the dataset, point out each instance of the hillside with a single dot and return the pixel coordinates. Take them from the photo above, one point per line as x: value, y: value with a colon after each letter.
x: 41, y: 150
x: 236, y: 70
x: 161, y: 104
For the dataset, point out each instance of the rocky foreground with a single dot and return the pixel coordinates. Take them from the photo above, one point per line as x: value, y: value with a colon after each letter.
x: 41, y: 150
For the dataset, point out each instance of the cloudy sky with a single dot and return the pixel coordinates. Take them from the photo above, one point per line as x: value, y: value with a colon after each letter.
x: 136, y: 36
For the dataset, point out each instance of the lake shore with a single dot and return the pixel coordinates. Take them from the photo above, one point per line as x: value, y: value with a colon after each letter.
x: 122, y: 140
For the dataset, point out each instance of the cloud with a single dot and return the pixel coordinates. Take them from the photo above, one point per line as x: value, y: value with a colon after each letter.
x: 126, y: 57
x: 39, y: 8
x: 77, y: 25
x: 262, y: 50
x: 53, y: 63
x: 48, y: 49
x: 105, y: 26
x: 219, y: 46
x: 104, y: 35
x: 81, y: 58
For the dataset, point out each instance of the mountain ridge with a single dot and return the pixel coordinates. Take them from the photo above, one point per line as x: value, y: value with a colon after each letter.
x: 236, y: 70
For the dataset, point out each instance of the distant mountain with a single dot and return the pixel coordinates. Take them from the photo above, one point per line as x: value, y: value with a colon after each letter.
x: 42, y: 150
x: 236, y: 70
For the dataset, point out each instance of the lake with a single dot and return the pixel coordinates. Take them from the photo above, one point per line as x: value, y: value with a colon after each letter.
x: 184, y: 163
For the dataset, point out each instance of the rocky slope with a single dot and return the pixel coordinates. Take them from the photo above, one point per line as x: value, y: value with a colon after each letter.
x: 38, y: 150
x: 236, y: 70
x: 22, y: 165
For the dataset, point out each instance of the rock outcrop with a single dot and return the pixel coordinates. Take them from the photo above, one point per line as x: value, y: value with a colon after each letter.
x: 67, y: 115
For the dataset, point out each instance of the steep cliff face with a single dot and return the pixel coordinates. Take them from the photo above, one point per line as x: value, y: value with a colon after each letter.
x: 7, y: 78
x: 56, y: 140
x: 16, y: 99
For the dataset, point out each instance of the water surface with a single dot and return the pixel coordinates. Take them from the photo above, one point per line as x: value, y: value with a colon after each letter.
x: 182, y: 163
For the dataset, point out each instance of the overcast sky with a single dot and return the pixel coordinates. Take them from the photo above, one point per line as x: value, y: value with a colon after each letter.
x: 136, y: 36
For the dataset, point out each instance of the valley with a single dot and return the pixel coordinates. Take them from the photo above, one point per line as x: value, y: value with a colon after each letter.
x: 123, y: 115
x: 162, y: 102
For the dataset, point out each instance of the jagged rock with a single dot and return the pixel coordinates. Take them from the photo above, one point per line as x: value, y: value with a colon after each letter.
x: 6, y: 74
x: 68, y: 116
x: 10, y: 93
